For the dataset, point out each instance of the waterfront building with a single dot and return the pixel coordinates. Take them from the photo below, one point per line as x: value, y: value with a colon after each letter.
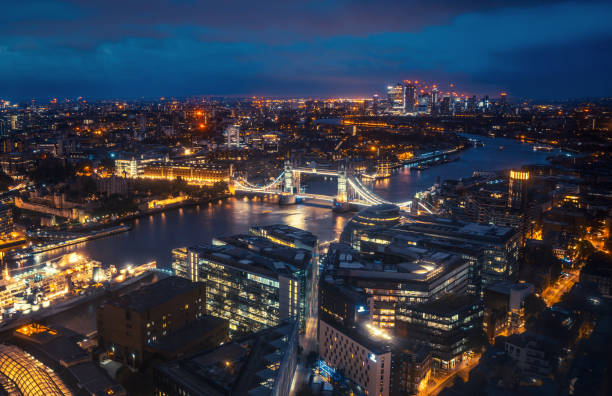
x: 377, y: 216
x: 261, y: 364
x: 191, y: 173
x: 182, y: 266
x: 26, y: 290
x: 500, y: 245
x: 251, y: 281
x: 415, y: 275
x: 285, y: 235
x: 146, y: 322
x: 132, y: 166
x: 446, y: 325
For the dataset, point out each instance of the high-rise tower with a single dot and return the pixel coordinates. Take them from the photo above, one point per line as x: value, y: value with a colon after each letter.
x: 517, y: 189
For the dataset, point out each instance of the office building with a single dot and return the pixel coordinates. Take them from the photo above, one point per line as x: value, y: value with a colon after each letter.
x: 410, y: 98
x: 144, y: 322
x: 361, y: 358
x: 251, y: 281
x: 414, y: 275
x: 286, y: 235
x: 341, y: 303
x: 381, y: 244
x: 377, y: 216
x: 132, y: 166
x: 262, y: 364
x: 517, y: 189
x: 397, y: 96
x: 6, y: 221
x: 446, y: 325
x: 232, y: 136
x: 503, y: 307
x: 500, y: 245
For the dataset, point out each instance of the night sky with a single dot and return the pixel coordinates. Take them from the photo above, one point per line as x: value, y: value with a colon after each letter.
x: 151, y: 48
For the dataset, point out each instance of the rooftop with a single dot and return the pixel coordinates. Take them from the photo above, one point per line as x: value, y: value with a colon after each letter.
x: 296, y: 257
x: 154, y: 294
x: 58, y: 349
x: 285, y: 233
x: 447, y: 304
x: 189, y: 333
x: 472, y: 232
x: 263, y: 257
x: 240, y: 367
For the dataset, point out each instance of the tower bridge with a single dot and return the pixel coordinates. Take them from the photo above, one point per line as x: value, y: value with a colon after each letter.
x: 288, y: 186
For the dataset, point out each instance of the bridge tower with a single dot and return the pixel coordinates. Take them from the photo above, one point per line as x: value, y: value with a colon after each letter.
x: 288, y: 185
x: 342, y: 188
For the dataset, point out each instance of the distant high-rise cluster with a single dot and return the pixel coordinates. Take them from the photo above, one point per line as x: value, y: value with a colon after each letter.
x: 413, y: 97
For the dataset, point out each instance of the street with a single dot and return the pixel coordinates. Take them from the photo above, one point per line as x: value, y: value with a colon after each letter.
x: 553, y: 293
x: 441, y: 383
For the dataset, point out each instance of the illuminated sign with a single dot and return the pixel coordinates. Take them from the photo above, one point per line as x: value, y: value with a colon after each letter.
x: 372, y: 357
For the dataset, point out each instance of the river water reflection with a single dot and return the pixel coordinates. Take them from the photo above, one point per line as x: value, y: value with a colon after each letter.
x: 153, y: 237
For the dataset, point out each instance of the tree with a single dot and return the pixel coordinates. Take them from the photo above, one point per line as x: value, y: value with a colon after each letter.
x: 108, y: 164
x: 5, y: 180
x: 51, y: 170
x: 304, y: 391
x: 584, y: 249
x: 533, y: 306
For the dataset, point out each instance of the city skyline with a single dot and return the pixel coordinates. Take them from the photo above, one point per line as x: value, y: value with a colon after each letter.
x: 184, y: 48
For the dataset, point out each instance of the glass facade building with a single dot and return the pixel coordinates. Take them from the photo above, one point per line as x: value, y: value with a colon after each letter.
x: 445, y: 325
x: 250, y: 281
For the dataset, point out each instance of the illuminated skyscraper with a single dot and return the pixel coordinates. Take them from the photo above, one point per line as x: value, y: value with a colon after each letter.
x: 375, y: 104
x: 410, y: 97
x: 435, y: 97
x: 396, y: 95
x: 517, y: 186
x: 232, y: 136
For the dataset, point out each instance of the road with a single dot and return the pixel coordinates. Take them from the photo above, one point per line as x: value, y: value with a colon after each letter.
x: 553, y: 293
x: 441, y: 383
x: 308, y: 341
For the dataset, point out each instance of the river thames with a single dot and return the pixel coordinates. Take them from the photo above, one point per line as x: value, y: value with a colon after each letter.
x: 153, y: 237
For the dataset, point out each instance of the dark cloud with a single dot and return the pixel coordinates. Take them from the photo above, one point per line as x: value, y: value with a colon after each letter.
x: 549, y: 71
x: 321, y: 47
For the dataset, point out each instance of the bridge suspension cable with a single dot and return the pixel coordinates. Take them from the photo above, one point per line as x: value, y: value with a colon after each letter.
x: 244, y: 184
x: 369, y: 196
x: 361, y: 190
